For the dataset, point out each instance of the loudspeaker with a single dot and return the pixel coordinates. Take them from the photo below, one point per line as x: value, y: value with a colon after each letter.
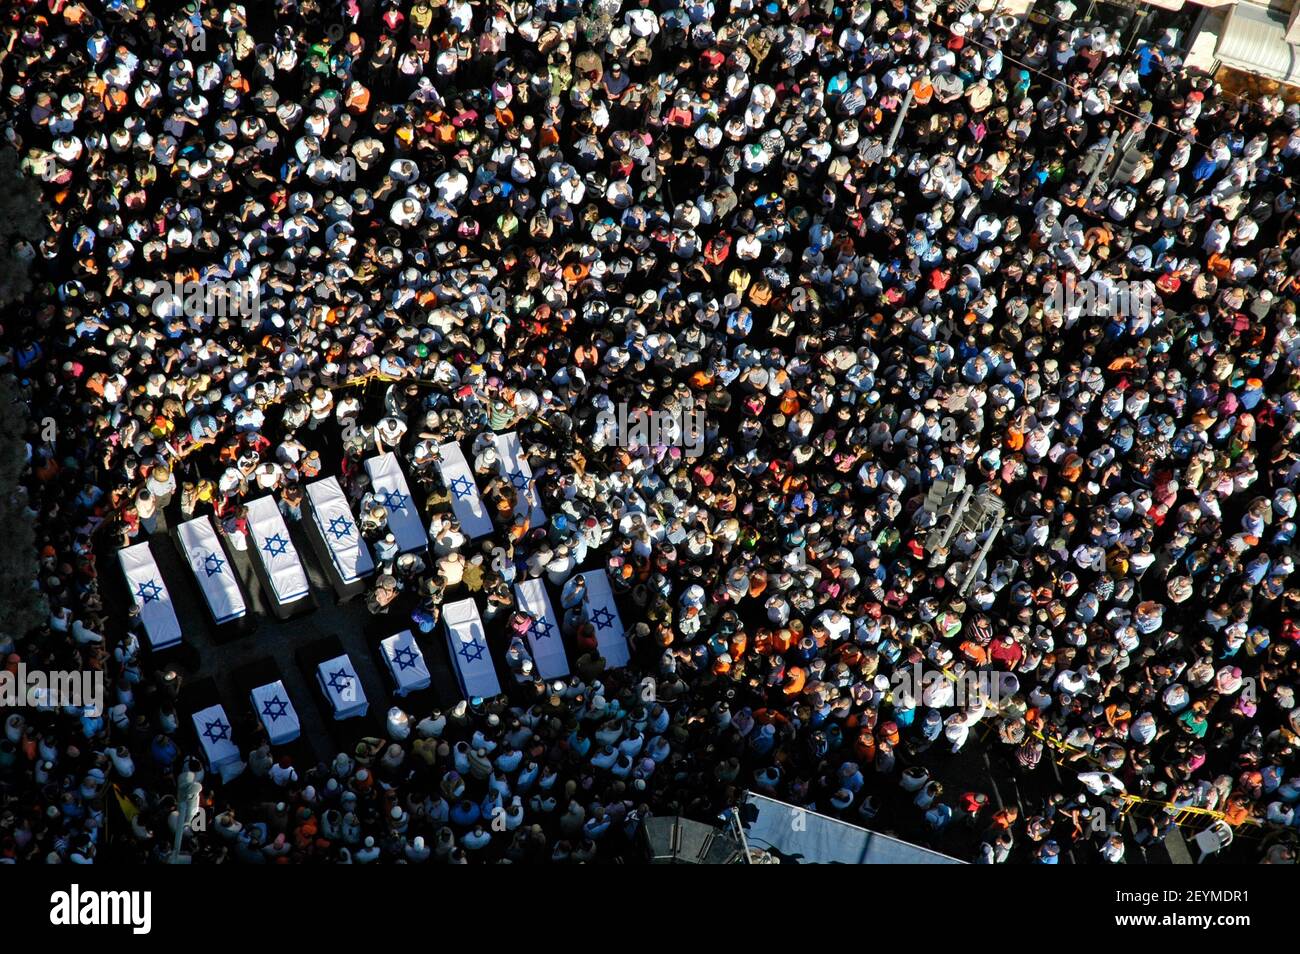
x: 675, y: 840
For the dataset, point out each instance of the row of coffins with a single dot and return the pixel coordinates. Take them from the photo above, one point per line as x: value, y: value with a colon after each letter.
x: 408, y: 670
x: 333, y: 531
x: 340, y: 688
x: 285, y: 580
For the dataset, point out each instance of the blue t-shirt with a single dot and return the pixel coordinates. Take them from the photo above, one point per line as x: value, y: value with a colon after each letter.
x: 1147, y: 56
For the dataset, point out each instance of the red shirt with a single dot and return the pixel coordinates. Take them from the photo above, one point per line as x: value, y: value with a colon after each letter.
x: 1009, y: 654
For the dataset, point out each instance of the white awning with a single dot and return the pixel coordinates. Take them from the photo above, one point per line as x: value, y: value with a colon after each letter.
x: 1254, y: 41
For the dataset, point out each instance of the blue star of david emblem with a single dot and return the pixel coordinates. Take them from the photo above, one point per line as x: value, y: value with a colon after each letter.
x: 405, y: 658
x: 275, y: 708
x: 276, y: 545
x: 149, y: 592
x: 212, y: 564
x: 339, y: 681
x: 461, y: 487
x: 473, y: 645
x: 603, y: 618
x: 340, y: 527
x: 216, y: 731
x: 394, y: 499
x: 519, y: 480
x: 540, y: 629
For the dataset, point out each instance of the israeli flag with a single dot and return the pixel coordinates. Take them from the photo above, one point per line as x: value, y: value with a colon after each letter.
x: 388, y: 484
x: 466, y: 504
x: 333, y: 516
x: 467, y: 643
x: 338, y: 680
x: 602, y: 613
x: 544, y: 631
x: 275, y: 551
x: 513, y: 466
x: 275, y: 710
x: 211, y: 567
x: 405, y: 663
x: 217, y: 739
x: 149, y: 593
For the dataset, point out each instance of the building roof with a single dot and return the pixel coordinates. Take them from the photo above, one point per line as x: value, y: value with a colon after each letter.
x: 798, y: 836
x: 1254, y: 40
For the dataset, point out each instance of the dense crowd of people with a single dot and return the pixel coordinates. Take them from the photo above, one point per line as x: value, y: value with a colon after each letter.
x: 526, y: 214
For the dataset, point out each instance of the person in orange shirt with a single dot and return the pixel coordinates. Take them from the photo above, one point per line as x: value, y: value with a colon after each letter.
x: 575, y: 272
x: 976, y: 653
x: 1004, y: 819
x: 1237, y: 810
x: 358, y: 100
